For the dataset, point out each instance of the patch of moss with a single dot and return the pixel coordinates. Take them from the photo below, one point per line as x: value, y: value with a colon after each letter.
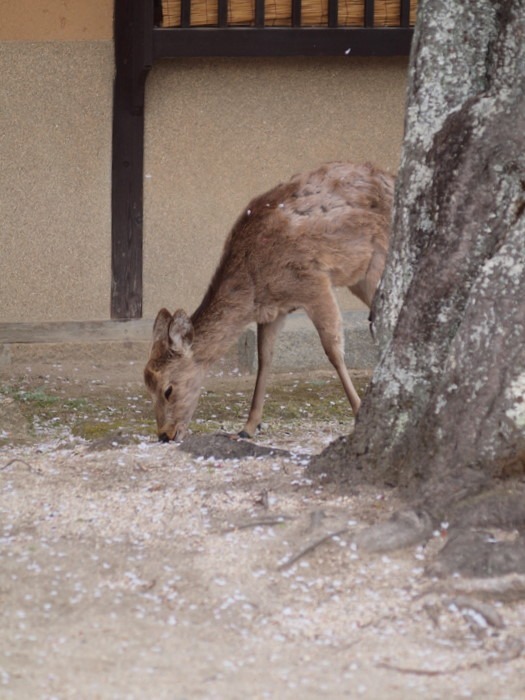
x: 290, y: 400
x: 94, y: 431
x: 48, y: 410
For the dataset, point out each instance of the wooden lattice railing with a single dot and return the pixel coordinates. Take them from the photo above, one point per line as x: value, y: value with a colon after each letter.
x: 282, y: 13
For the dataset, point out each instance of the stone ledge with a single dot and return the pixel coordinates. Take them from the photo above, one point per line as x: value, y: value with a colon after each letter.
x: 104, y: 342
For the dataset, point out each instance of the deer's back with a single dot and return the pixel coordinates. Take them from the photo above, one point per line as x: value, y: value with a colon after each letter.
x: 323, y: 224
x: 329, y: 220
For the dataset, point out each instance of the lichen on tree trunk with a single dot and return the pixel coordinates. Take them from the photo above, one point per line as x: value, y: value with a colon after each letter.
x: 445, y: 412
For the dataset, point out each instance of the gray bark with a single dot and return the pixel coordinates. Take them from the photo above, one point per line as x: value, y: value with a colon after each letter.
x: 444, y: 415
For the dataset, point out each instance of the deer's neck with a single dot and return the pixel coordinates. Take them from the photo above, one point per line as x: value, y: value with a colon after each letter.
x: 223, y: 314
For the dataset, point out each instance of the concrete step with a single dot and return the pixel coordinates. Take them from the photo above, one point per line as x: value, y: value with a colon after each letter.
x: 104, y: 343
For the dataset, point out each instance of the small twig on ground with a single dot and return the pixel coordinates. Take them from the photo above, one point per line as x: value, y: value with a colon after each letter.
x: 267, y: 521
x: 310, y: 548
x: 17, y: 459
x: 413, y: 671
x: 506, y: 588
x: 513, y: 650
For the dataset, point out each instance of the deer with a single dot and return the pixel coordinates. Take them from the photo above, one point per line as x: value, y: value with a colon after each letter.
x: 288, y: 250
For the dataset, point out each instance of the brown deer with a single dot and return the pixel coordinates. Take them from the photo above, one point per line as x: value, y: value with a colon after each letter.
x: 288, y: 250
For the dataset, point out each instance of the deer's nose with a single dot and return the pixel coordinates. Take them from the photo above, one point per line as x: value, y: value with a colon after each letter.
x: 164, y: 437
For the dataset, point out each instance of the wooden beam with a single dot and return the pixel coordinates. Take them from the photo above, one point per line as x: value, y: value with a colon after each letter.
x: 281, y: 41
x: 133, y: 59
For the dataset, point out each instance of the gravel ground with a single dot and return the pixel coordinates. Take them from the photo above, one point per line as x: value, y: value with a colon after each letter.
x: 139, y: 570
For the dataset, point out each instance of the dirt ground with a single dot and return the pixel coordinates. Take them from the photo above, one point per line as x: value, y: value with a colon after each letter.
x: 135, y: 569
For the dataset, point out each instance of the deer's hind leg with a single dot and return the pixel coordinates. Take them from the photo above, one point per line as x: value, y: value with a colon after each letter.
x: 266, y: 336
x: 326, y: 317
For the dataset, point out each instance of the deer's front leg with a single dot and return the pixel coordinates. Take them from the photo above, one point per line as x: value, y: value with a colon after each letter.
x: 266, y: 335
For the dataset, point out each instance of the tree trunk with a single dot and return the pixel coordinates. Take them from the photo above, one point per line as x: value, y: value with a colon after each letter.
x: 444, y: 415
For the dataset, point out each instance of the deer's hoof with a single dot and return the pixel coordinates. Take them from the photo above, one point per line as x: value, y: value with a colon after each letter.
x: 244, y: 434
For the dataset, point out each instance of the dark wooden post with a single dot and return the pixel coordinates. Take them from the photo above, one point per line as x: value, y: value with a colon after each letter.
x: 133, y: 58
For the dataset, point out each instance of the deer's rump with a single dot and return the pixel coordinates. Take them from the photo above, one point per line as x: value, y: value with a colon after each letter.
x: 328, y: 223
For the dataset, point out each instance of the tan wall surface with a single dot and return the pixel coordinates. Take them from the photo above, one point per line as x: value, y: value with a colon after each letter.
x: 56, y: 20
x: 221, y: 131
x: 55, y: 191
x: 55, y: 149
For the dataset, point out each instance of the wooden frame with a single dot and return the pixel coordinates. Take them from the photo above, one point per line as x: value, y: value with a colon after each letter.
x: 139, y: 43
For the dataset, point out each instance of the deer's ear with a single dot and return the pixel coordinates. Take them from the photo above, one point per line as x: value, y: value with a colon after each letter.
x: 180, y: 332
x: 161, y: 326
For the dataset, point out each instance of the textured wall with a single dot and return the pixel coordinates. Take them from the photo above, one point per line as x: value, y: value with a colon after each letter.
x: 55, y: 150
x: 56, y: 20
x: 56, y: 62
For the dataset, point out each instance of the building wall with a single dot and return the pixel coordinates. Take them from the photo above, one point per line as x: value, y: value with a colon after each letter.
x: 56, y: 20
x: 56, y: 62
x: 217, y: 132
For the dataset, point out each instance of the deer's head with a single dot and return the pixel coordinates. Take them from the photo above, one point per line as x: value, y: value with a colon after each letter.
x: 172, y: 376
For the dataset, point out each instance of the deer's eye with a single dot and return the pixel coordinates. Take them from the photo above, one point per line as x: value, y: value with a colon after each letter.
x: 168, y: 391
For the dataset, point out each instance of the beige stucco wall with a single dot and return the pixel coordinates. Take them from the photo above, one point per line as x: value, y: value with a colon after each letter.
x: 56, y: 20
x: 217, y: 132
x: 55, y: 151
x: 56, y: 62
